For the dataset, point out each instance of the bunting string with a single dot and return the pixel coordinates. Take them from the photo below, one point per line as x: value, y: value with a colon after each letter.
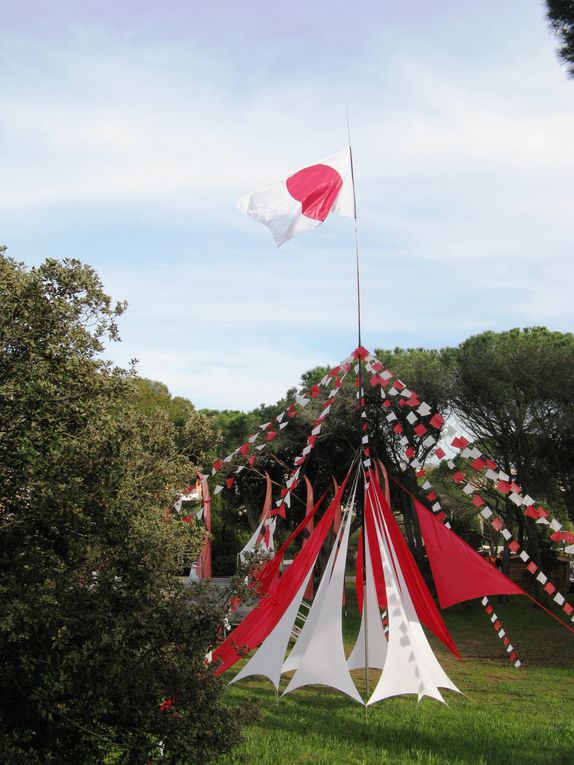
x: 501, y: 633
x: 420, y: 418
x: 497, y: 523
x: 271, y: 429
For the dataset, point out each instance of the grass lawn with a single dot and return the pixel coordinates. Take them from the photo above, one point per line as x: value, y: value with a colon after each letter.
x: 521, y: 716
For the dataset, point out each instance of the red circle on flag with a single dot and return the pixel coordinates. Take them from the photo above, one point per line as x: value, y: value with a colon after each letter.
x: 317, y: 188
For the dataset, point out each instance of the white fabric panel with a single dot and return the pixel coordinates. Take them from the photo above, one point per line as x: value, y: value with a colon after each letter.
x: 252, y: 543
x: 407, y: 669
x: 271, y: 523
x: 376, y: 640
x: 323, y: 662
x: 425, y: 652
x: 268, y: 658
x: 294, y: 658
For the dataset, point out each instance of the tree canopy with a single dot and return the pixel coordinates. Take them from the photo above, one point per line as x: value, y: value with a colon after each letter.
x: 102, y: 650
x: 511, y: 390
x: 560, y: 14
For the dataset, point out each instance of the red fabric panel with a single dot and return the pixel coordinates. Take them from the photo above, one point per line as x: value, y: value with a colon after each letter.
x: 376, y: 561
x: 458, y: 571
x: 386, y: 481
x: 267, y: 504
x: 423, y: 602
x: 203, y: 567
x: 270, y: 571
x: 259, y: 622
x: 375, y: 551
x: 337, y: 526
x: 310, y: 589
x: 359, y: 584
x: 338, y: 514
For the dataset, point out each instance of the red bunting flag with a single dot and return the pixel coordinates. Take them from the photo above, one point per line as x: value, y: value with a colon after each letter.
x: 437, y: 422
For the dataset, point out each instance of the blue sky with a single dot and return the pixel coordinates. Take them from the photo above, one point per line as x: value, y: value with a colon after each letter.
x: 129, y: 130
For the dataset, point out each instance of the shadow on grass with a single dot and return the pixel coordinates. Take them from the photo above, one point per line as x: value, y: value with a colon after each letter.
x: 509, y: 716
x: 408, y: 732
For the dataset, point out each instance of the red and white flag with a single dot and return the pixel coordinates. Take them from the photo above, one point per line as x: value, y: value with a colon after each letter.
x: 302, y: 201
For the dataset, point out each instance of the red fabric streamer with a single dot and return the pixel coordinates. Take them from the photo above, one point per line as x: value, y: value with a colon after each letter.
x: 338, y: 513
x: 259, y: 622
x: 359, y: 583
x: 336, y: 526
x: 376, y: 560
x: 458, y: 571
x: 268, y: 502
x: 310, y: 525
x: 271, y: 570
x: 385, y: 481
x: 203, y: 567
x: 423, y: 602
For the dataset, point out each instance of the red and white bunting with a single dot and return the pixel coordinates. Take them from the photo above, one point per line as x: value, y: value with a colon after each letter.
x: 267, y: 429
x: 291, y: 483
x: 513, y: 544
x: 504, y: 483
x: 497, y: 626
x: 426, y: 424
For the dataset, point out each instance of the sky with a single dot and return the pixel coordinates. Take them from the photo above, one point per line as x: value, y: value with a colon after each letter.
x: 128, y: 131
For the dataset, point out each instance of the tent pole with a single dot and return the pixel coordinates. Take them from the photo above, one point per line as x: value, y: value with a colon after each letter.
x: 365, y: 596
x: 361, y: 399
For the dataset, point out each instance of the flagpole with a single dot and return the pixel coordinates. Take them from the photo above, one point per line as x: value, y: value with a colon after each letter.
x: 361, y: 403
x: 357, y: 267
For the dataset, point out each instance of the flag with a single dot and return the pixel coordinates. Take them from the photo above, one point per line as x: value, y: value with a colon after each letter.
x: 302, y: 201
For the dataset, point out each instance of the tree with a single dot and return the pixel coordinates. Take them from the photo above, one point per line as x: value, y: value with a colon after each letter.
x: 102, y: 651
x: 197, y: 434
x: 514, y: 391
x: 151, y: 395
x: 336, y: 447
x: 560, y: 14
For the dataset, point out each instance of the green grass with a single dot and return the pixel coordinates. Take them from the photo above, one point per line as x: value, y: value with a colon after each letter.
x: 513, y: 716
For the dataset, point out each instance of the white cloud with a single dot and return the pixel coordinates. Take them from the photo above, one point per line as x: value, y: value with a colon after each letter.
x: 131, y: 151
x: 241, y: 378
